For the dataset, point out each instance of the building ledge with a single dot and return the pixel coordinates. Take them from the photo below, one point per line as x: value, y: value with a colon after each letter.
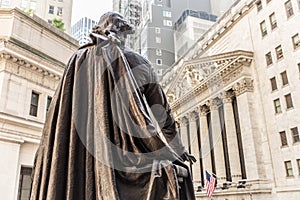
x: 30, y: 58
x: 39, y: 22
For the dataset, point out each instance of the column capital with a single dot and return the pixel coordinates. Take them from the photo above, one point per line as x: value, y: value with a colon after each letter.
x: 214, y: 103
x: 182, y: 120
x: 245, y: 85
x: 193, y: 116
x: 202, y: 110
x: 226, y: 96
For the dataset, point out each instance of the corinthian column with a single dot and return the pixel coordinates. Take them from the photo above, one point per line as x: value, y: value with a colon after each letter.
x: 217, y: 140
x: 205, y: 143
x: 248, y: 132
x: 195, y: 146
x: 183, y: 131
x: 232, y: 144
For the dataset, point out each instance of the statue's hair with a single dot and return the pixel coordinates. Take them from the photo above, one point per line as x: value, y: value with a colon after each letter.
x: 105, y: 22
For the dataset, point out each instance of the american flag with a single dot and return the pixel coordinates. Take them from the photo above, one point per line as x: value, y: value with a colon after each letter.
x: 210, y: 184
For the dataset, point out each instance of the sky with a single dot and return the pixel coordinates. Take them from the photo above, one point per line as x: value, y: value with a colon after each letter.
x: 90, y: 8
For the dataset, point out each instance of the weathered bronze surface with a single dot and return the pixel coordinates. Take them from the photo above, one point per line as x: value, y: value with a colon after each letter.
x: 99, y: 139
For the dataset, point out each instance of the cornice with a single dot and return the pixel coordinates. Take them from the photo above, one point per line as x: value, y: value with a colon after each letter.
x: 221, y: 70
x: 21, y: 121
x: 12, y: 53
x: 223, y: 62
x: 18, y: 137
x: 41, y: 24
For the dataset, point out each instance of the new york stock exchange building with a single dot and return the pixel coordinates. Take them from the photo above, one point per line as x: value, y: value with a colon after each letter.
x: 235, y: 95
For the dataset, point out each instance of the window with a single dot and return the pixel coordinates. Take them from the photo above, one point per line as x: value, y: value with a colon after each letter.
x: 263, y: 28
x: 273, y: 21
x: 298, y: 164
x: 60, y: 0
x: 296, y: 41
x: 299, y: 67
x: 34, y: 104
x: 258, y: 5
x: 289, y: 8
x: 158, y: 40
x: 158, y: 61
x: 49, y: 99
x: 51, y: 9
x: 284, y: 78
x: 167, y: 22
x: 158, y: 52
x: 49, y: 21
x: 269, y: 58
x: 273, y: 83
x: 289, y: 101
x: 59, y: 11
x: 283, y: 138
x: 279, y: 53
x: 157, y: 30
x: 277, y: 106
x: 268, y: 1
x: 160, y: 72
x: 295, y: 134
x: 167, y: 14
x: 24, y: 183
x: 288, y: 168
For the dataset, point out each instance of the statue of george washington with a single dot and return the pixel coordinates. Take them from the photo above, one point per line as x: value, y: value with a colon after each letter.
x: 109, y: 132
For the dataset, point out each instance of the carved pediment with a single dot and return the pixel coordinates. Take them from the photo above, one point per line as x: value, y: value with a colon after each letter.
x: 197, y: 75
x: 186, y: 80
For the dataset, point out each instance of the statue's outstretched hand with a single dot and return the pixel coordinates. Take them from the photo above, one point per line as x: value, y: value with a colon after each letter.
x: 188, y: 157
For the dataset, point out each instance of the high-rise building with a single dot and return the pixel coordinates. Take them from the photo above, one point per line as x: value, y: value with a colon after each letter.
x: 156, y: 33
x: 33, y: 55
x: 133, y: 14
x: 82, y: 29
x: 46, y: 9
x: 131, y: 10
x: 120, y: 6
x: 189, y: 28
x: 157, y: 29
x: 235, y: 95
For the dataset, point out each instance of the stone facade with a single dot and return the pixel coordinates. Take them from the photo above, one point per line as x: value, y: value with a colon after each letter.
x: 33, y: 55
x: 246, y: 129
x: 46, y: 9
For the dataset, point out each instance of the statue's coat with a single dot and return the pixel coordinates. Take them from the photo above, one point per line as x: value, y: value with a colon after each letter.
x: 93, y: 146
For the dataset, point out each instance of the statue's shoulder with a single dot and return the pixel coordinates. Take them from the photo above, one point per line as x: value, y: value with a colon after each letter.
x: 135, y: 58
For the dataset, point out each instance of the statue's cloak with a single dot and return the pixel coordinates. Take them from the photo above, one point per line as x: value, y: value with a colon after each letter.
x: 99, y: 141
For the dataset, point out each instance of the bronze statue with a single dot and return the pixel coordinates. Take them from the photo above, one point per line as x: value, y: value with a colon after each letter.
x: 99, y: 139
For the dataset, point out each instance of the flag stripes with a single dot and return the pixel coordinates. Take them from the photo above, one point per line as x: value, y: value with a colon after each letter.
x: 210, y: 184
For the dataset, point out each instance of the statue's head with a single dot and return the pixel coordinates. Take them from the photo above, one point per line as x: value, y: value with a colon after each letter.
x: 113, y: 22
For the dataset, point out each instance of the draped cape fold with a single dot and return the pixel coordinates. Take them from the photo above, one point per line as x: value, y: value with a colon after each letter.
x: 99, y: 140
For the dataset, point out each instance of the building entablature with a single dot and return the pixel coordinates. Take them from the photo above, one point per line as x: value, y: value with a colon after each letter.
x: 21, y: 57
x: 34, y: 33
x: 207, y: 77
x: 24, y: 130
